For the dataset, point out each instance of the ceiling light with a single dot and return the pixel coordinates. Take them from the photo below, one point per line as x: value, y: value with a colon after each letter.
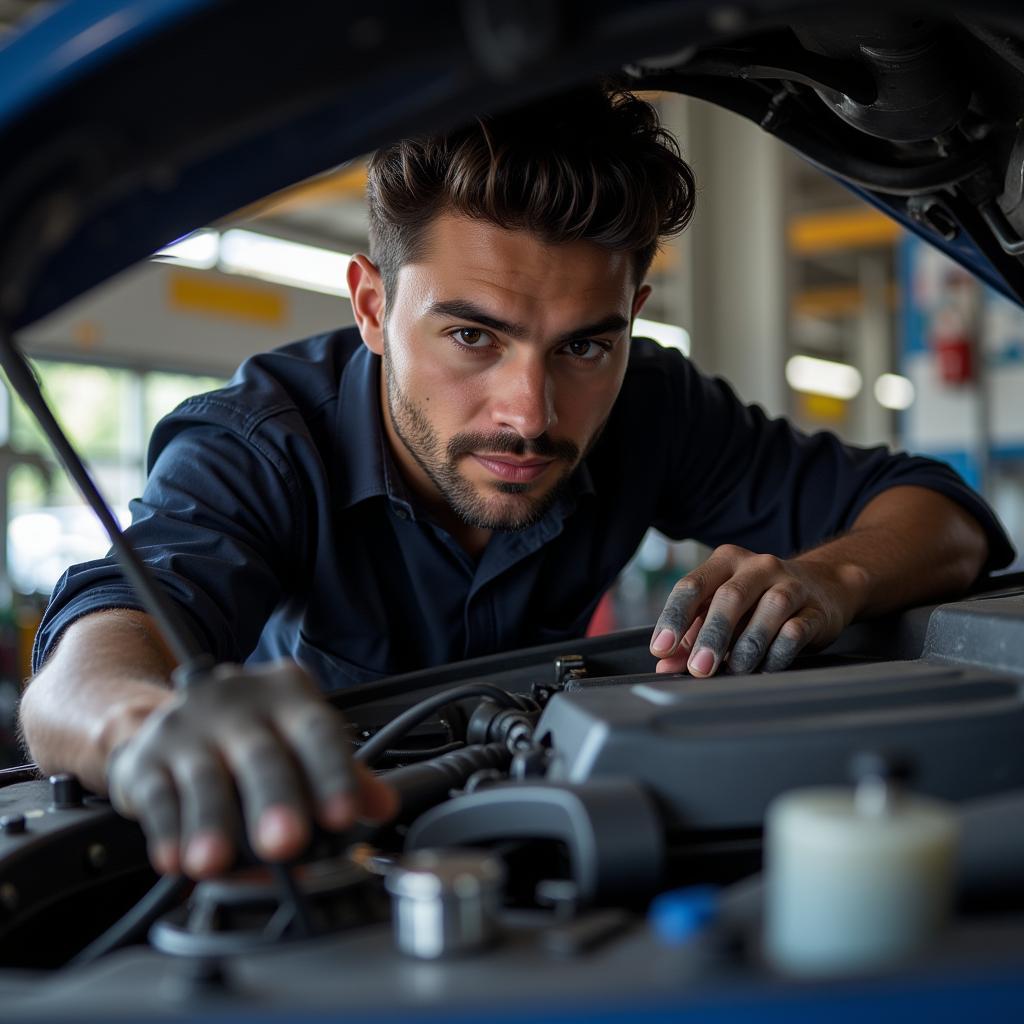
x: 667, y: 335
x: 200, y: 250
x: 823, y: 377
x: 894, y: 391
x: 284, y: 262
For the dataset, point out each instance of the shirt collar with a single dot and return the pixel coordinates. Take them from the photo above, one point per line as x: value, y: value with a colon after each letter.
x: 363, y: 446
x: 369, y: 465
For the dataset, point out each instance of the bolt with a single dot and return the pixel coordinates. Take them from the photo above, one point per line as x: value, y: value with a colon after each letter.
x: 12, y: 824
x: 65, y: 791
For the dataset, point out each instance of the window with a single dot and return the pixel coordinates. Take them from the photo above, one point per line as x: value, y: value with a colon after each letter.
x: 108, y: 413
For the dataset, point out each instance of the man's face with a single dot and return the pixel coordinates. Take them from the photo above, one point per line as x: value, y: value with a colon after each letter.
x: 502, y: 359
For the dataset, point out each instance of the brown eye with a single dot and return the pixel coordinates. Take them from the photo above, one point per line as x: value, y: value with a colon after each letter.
x: 586, y: 350
x: 469, y: 336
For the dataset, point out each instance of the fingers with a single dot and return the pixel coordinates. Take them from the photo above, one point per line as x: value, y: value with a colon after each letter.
x: 677, y: 662
x: 262, y: 737
x: 153, y: 801
x: 731, y: 603
x: 208, y: 812
x: 343, y: 790
x: 274, y: 801
x: 321, y: 742
x: 753, y: 609
x: 794, y: 636
x: 715, y: 635
x: 688, y: 596
x: 775, y: 608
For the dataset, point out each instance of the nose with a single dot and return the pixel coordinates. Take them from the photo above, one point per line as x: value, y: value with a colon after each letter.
x: 524, y: 397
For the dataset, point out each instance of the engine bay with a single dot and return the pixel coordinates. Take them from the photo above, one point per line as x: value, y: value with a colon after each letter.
x: 611, y: 819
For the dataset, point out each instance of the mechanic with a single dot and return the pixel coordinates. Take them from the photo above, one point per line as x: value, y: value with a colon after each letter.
x: 465, y: 472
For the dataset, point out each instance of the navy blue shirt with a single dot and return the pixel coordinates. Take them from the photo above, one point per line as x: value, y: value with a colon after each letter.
x: 275, y: 515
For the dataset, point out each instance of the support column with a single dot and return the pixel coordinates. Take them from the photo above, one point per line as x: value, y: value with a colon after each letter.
x: 737, y: 254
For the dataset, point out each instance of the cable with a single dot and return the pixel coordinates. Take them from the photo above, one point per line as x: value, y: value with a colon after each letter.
x: 413, y: 755
x: 190, y: 656
x: 386, y: 737
x: 136, y: 923
x: 19, y: 773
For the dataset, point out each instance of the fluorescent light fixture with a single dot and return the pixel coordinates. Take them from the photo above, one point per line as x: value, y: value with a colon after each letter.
x: 284, y: 262
x: 201, y: 250
x: 667, y: 335
x: 823, y: 377
x: 894, y: 391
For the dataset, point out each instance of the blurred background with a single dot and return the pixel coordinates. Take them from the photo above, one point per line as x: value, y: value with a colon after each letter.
x: 808, y: 301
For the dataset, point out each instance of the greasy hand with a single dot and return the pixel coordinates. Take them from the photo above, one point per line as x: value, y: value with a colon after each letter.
x: 262, y: 734
x: 758, y: 610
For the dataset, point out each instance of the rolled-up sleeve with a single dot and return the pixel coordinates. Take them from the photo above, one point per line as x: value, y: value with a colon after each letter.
x: 217, y: 525
x: 736, y: 476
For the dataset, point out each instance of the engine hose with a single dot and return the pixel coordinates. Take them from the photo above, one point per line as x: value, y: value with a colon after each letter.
x: 422, y: 786
x: 397, y: 728
x: 412, y: 755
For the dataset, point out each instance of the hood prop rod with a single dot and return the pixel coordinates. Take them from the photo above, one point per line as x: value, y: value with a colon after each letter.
x: 193, y: 660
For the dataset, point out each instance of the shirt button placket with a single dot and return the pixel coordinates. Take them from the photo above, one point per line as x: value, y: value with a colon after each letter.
x: 481, y: 636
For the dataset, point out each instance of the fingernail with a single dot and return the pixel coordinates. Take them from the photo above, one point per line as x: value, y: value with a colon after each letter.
x: 663, y: 642
x: 703, y: 662
x: 337, y: 811
x: 165, y: 858
x: 203, y: 854
x: 277, y: 829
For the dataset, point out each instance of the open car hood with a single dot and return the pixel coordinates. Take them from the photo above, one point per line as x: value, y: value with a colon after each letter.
x: 126, y: 124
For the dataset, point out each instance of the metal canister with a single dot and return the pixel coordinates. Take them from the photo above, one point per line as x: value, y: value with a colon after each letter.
x: 445, y: 902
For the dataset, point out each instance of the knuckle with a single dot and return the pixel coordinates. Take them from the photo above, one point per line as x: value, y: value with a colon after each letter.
x: 796, y: 631
x: 150, y: 788
x: 261, y: 749
x: 200, y: 773
x: 778, y: 601
x: 766, y: 563
x: 689, y: 587
x: 732, y: 592
x: 318, y: 726
x: 730, y: 551
x: 154, y: 802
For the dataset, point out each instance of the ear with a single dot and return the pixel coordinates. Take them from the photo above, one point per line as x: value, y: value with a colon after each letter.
x: 643, y: 293
x: 366, y: 287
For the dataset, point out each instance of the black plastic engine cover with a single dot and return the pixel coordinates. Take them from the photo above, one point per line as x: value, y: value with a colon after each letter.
x: 717, y: 751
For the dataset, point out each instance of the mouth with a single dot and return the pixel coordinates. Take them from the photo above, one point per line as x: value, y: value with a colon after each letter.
x: 519, y: 471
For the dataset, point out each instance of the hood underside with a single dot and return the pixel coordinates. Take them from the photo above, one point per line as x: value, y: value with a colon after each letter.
x: 125, y: 124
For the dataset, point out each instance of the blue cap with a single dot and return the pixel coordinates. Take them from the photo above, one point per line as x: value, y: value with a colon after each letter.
x: 677, y: 916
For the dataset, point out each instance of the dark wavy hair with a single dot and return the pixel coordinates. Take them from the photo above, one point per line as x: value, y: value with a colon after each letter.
x: 591, y: 164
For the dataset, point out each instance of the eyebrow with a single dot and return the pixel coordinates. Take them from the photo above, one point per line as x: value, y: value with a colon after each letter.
x: 462, y: 309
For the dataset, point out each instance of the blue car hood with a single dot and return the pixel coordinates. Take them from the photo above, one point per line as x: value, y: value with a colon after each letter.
x: 125, y: 124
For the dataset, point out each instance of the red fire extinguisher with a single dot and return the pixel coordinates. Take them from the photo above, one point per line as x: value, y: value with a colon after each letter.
x: 954, y: 345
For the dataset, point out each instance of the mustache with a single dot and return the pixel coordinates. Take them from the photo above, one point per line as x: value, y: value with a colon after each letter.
x: 504, y: 443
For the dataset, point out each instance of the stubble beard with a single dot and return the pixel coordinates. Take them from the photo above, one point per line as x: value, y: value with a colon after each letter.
x: 519, y: 510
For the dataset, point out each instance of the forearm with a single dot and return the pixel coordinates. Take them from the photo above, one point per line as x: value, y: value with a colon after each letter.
x: 908, y: 545
x: 108, y: 673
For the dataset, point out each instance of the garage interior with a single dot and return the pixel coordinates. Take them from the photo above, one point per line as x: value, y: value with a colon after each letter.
x: 805, y: 298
